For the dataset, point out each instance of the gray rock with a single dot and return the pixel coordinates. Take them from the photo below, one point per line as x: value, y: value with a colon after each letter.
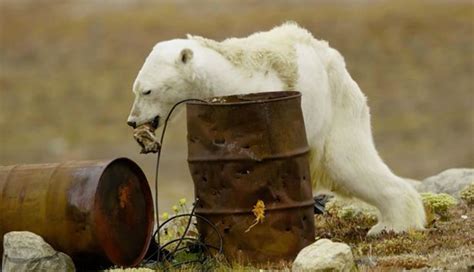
x: 451, y: 182
x: 26, y: 251
x: 324, y: 255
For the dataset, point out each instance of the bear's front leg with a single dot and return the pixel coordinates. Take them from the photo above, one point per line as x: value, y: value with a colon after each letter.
x: 401, y: 208
x: 355, y: 167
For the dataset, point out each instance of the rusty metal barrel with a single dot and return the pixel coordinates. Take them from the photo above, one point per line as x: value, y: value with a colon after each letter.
x: 242, y: 149
x: 97, y: 212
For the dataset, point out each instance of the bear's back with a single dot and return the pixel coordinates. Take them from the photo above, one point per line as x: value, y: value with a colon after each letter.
x: 263, y: 51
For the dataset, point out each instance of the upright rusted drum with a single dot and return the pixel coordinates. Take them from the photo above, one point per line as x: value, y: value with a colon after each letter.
x: 98, y: 212
x: 246, y: 148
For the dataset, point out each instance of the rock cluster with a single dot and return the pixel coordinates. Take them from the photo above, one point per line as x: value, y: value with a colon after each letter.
x: 451, y: 181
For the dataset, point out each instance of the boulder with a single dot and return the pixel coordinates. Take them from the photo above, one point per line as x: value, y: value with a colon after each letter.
x: 324, y: 255
x: 26, y: 251
x: 451, y: 182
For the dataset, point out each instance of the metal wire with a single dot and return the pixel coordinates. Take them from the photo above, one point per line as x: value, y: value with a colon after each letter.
x: 197, y: 241
x: 158, y: 156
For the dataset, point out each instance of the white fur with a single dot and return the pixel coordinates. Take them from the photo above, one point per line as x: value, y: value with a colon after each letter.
x: 343, y: 157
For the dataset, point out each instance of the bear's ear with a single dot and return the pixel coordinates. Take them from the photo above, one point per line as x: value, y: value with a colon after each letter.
x: 186, y: 55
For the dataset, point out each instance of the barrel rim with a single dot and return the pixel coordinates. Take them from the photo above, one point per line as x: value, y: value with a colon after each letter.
x: 148, y: 197
x: 309, y: 203
x: 290, y: 95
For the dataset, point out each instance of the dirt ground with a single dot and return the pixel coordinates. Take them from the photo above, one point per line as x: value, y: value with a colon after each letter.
x: 446, y: 245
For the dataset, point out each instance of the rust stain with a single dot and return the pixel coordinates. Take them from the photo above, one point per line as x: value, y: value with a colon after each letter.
x: 124, y: 195
x: 249, y: 148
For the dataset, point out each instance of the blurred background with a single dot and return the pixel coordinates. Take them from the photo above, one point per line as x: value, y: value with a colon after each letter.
x: 67, y: 67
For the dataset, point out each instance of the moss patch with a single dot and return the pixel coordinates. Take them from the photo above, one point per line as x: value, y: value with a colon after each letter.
x: 467, y: 194
x: 440, y: 246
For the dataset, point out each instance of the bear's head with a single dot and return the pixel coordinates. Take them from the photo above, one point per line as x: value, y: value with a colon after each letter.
x: 166, y: 77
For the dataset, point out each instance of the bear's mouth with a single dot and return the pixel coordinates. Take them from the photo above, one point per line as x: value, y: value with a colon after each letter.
x: 155, y: 122
x: 145, y: 137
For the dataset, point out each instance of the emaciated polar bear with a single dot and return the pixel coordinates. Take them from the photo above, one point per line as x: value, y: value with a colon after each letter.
x: 343, y: 158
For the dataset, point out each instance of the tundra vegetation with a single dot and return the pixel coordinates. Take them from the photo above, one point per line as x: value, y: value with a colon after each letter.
x: 447, y: 243
x: 66, y: 70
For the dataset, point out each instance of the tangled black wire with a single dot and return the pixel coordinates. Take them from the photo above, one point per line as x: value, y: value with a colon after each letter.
x: 188, y: 244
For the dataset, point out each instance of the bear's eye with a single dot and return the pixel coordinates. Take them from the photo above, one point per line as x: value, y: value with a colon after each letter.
x: 147, y: 92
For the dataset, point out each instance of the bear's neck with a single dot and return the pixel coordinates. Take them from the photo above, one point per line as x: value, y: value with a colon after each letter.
x: 219, y: 77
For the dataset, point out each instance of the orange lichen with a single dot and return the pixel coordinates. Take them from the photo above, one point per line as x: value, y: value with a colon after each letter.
x: 259, y: 213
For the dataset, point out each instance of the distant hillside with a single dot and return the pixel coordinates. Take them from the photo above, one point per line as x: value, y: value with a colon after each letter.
x: 67, y: 69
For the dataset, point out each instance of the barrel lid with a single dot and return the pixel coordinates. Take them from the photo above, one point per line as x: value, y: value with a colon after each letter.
x: 123, y: 212
x: 250, y: 98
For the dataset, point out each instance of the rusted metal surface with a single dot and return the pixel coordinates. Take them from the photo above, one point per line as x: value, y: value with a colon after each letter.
x: 98, y: 212
x: 246, y: 148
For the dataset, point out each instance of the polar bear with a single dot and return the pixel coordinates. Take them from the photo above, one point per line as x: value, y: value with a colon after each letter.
x: 343, y: 158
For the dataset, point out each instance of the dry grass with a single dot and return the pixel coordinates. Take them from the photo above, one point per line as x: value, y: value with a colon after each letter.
x: 445, y: 244
x: 216, y: 265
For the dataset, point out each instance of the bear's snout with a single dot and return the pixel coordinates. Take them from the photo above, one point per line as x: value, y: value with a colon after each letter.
x: 132, y: 124
x: 154, y: 123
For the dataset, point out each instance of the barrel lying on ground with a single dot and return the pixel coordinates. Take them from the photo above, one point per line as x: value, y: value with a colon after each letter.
x: 247, y: 148
x: 97, y: 212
